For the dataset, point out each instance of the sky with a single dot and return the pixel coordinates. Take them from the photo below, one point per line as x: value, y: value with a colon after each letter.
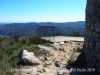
x: 42, y: 10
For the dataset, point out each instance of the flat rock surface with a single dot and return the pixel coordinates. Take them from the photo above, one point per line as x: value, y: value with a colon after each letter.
x: 63, y: 38
x: 75, y: 55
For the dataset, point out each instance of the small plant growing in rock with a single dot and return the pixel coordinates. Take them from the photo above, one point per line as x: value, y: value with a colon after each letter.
x: 77, y: 50
x: 70, y: 63
x: 78, y: 43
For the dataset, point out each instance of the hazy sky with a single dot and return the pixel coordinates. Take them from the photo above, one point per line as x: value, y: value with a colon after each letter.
x: 42, y: 10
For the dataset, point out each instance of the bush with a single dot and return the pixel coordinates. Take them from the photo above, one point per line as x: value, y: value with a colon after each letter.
x: 70, y: 63
x: 37, y: 40
x: 58, y: 34
x: 30, y: 47
x: 76, y: 34
x: 10, y: 50
x: 24, y: 40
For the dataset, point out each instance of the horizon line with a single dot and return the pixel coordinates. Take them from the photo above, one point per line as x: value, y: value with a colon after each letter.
x: 40, y: 22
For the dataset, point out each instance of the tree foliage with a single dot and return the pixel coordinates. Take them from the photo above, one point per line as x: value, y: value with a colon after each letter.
x: 76, y: 34
x: 10, y: 49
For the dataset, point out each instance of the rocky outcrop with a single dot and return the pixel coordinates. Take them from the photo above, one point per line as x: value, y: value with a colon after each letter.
x: 29, y: 58
x: 92, y: 34
x: 43, y: 58
x: 53, y: 64
x: 49, y: 51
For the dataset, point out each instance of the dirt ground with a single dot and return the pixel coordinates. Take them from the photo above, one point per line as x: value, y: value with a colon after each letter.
x: 62, y: 56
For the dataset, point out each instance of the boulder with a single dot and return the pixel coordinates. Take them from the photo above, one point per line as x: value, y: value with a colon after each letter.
x: 80, y: 48
x: 62, y: 49
x: 43, y: 58
x: 43, y: 69
x: 57, y: 63
x: 47, y: 63
x: 65, y: 41
x: 61, y: 43
x: 49, y: 51
x: 75, y: 55
x: 66, y: 56
x: 56, y: 43
x: 29, y: 58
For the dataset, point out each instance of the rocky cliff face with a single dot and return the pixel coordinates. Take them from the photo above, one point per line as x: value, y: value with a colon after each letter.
x: 92, y: 33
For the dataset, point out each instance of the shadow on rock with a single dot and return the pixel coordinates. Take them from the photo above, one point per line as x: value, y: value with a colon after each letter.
x: 79, y: 66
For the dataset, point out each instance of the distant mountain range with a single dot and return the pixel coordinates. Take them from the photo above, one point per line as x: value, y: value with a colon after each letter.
x: 29, y: 29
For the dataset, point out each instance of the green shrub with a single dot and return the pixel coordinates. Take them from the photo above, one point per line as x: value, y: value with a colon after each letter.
x: 47, y: 44
x: 75, y: 33
x: 77, y: 50
x: 10, y: 50
x: 57, y: 34
x: 70, y: 63
x: 31, y: 47
x: 24, y: 40
x: 37, y: 40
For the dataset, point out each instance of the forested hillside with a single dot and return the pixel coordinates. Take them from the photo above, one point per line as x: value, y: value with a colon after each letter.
x: 29, y: 29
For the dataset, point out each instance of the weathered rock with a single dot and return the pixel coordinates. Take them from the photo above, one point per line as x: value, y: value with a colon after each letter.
x: 57, y: 63
x: 40, y: 71
x: 65, y: 41
x: 29, y: 58
x: 47, y: 50
x: 61, y: 43
x: 47, y: 63
x: 63, y: 62
x: 43, y: 69
x: 71, y: 41
x: 61, y: 48
x: 92, y: 33
x: 75, y: 55
x: 66, y: 56
x: 42, y: 58
x: 80, y: 48
x: 56, y: 59
x: 56, y: 43
x: 38, y: 74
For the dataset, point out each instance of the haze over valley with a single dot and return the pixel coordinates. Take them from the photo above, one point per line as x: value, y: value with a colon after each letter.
x: 29, y: 29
